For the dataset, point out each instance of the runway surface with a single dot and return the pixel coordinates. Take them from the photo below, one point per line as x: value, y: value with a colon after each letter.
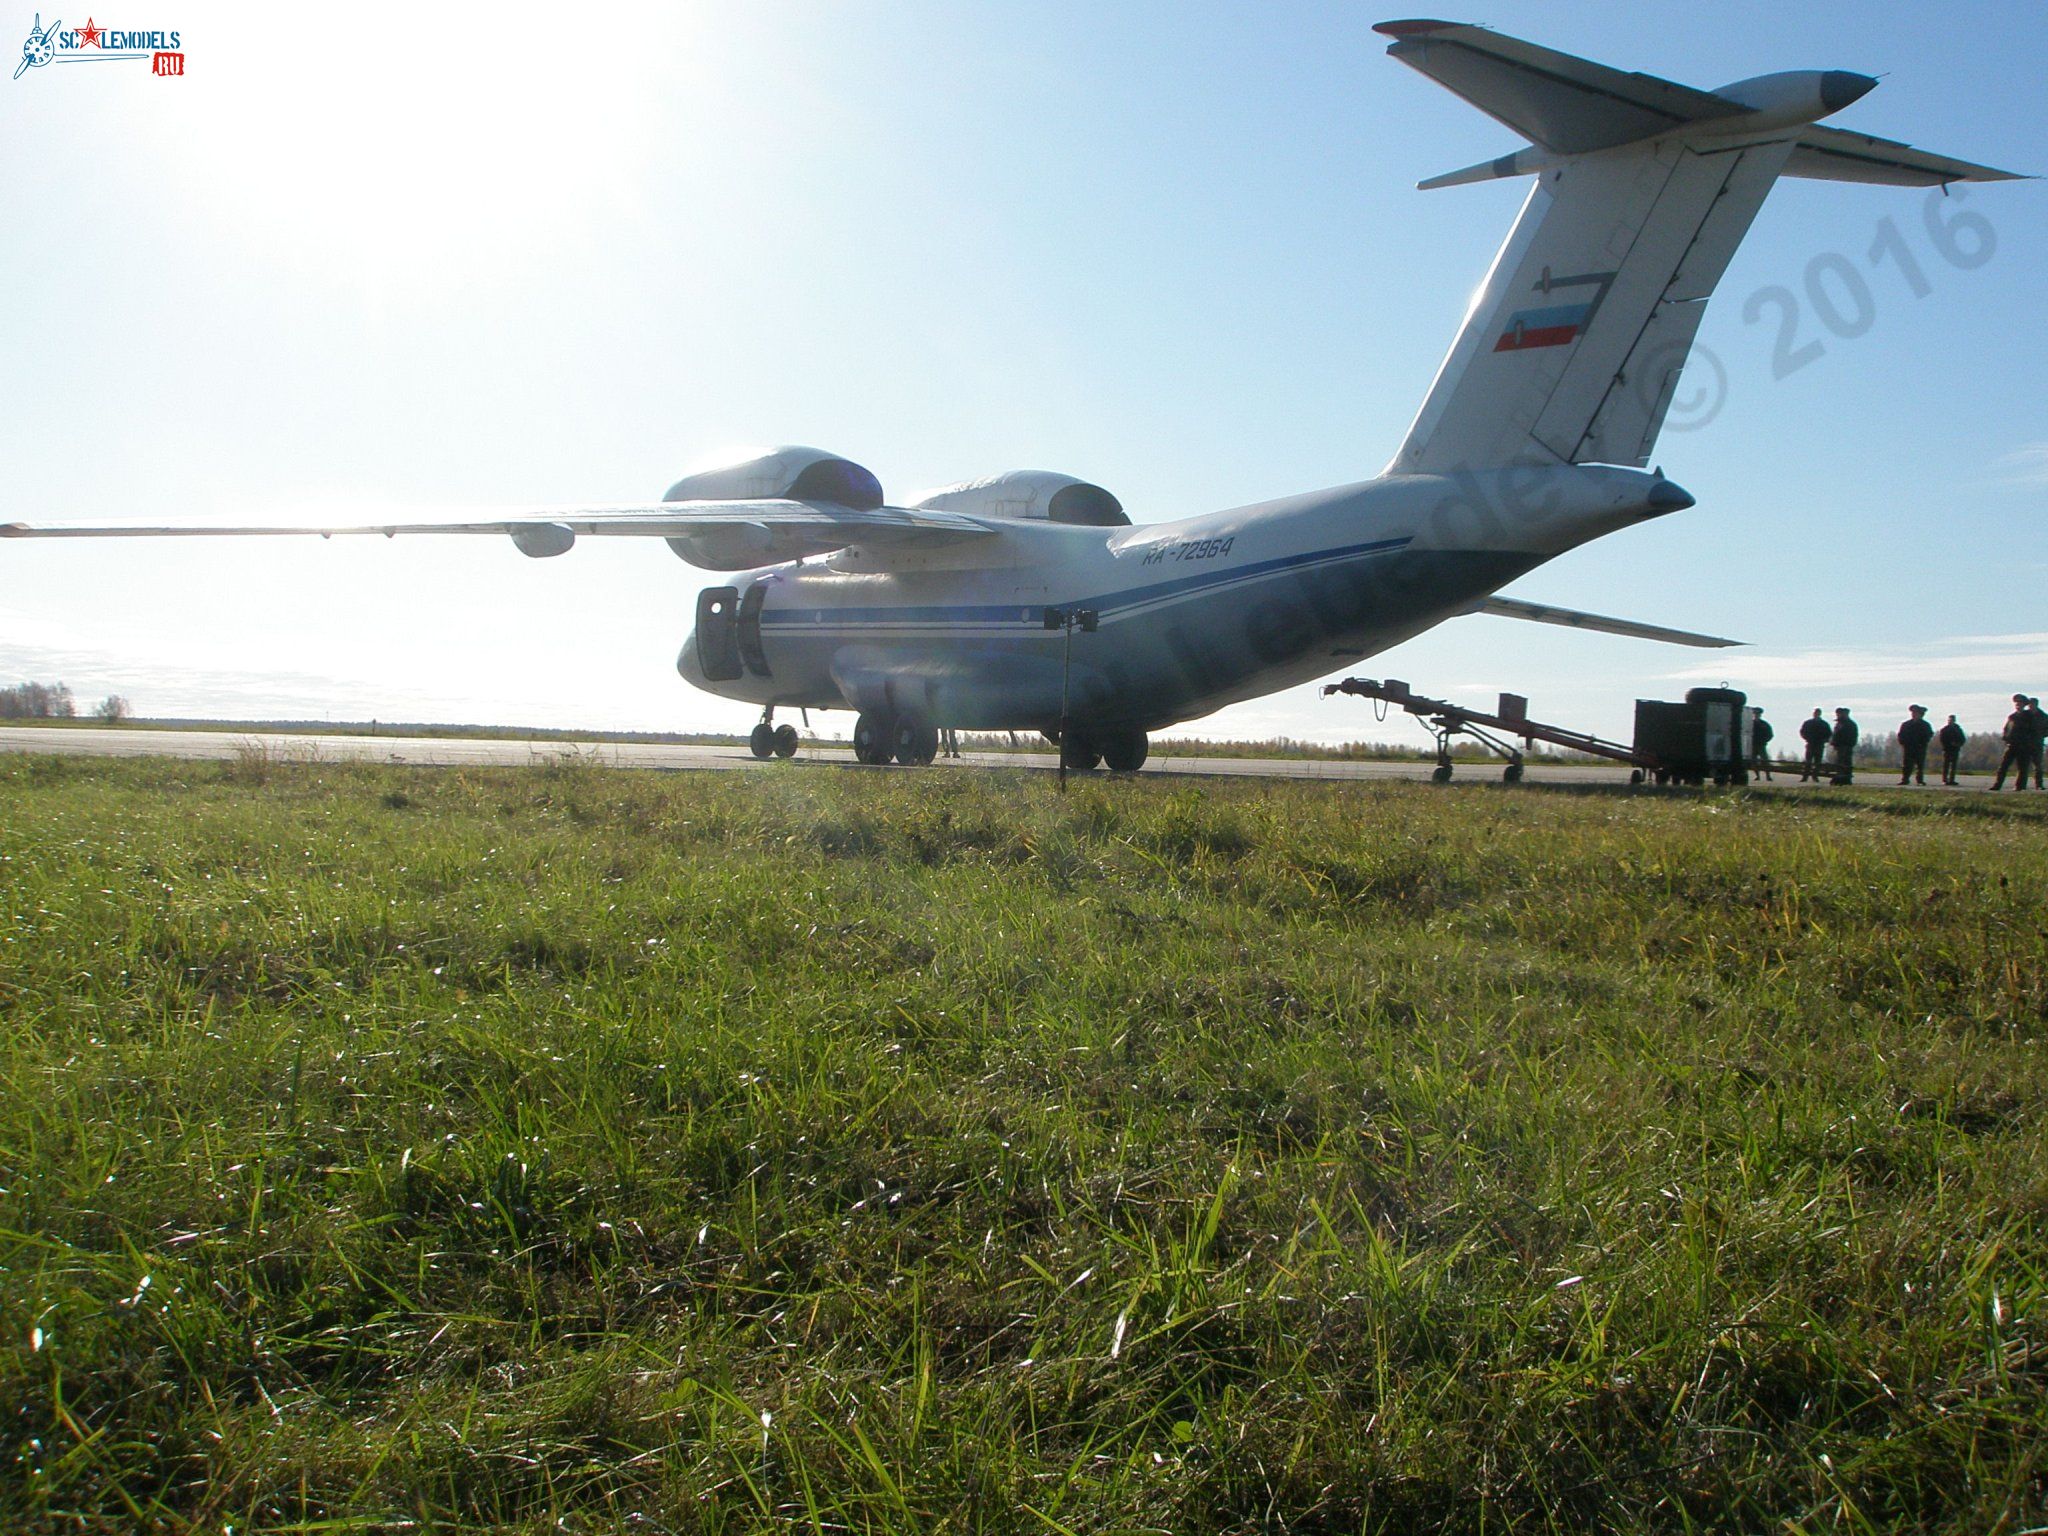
x: 454, y: 751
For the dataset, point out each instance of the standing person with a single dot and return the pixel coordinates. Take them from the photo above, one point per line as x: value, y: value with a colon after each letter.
x: 949, y: 742
x: 2012, y: 735
x: 1815, y: 733
x: 1843, y: 741
x: 1951, y: 738
x: 1760, y: 734
x: 1914, y: 735
x: 2036, y: 738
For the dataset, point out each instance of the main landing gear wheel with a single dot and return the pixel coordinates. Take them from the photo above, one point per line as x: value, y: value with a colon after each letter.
x: 1512, y: 774
x: 1124, y: 751
x: 874, y: 737
x: 917, y: 742
x: 1079, y: 753
x: 785, y: 741
x: 1441, y: 774
x: 761, y: 740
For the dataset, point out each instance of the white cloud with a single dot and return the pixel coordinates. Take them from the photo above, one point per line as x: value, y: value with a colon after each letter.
x: 2026, y: 466
x: 2008, y: 661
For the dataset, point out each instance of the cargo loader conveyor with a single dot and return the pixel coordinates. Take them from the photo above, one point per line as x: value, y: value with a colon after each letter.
x: 1705, y: 738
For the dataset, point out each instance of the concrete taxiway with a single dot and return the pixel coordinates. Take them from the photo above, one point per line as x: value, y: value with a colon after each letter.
x: 455, y: 751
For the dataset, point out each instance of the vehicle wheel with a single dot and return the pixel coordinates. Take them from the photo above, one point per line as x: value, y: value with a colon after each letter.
x: 917, y: 742
x: 874, y: 737
x: 1441, y: 774
x: 785, y: 741
x: 761, y: 740
x: 1079, y: 753
x: 1636, y: 776
x: 1512, y: 774
x: 1125, y: 751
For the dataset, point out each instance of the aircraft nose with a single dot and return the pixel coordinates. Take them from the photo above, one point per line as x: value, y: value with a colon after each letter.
x: 1839, y: 87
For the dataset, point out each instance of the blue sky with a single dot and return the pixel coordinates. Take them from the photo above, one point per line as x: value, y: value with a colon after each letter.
x: 493, y: 255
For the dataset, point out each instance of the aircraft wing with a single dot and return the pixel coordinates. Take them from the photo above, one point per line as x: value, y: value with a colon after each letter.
x: 719, y: 535
x: 1571, y: 618
x: 1829, y: 154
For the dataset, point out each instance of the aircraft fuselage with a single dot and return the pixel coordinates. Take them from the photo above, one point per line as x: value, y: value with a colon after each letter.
x: 1193, y: 615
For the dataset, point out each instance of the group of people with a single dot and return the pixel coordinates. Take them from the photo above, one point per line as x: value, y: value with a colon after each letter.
x: 1831, y: 748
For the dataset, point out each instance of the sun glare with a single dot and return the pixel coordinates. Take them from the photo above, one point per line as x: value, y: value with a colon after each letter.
x: 478, y: 141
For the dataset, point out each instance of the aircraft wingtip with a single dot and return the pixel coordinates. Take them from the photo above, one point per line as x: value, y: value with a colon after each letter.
x: 13, y: 530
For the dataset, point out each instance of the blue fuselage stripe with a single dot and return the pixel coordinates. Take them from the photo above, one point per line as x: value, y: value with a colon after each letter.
x: 1109, y: 604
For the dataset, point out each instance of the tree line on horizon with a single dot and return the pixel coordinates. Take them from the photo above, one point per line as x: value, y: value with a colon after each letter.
x: 54, y: 701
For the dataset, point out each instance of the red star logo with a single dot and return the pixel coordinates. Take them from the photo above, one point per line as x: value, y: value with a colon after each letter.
x: 89, y: 35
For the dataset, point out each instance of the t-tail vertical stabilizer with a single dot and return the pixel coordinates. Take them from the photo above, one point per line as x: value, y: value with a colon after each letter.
x: 1573, y: 347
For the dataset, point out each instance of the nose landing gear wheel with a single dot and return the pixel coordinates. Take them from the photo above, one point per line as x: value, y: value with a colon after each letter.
x: 761, y: 740
x: 917, y: 742
x: 874, y: 737
x: 785, y: 741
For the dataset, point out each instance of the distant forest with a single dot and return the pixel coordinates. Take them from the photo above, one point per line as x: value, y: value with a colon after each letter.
x: 53, y: 701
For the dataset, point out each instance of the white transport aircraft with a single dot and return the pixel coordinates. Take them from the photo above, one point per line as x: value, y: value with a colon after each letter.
x: 958, y: 609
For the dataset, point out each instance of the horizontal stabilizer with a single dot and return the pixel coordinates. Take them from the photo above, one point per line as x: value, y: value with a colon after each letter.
x: 1568, y: 105
x: 1829, y: 154
x: 1571, y: 618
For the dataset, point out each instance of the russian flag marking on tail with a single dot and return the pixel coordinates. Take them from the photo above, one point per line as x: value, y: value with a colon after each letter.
x: 1544, y: 327
x: 1554, y: 325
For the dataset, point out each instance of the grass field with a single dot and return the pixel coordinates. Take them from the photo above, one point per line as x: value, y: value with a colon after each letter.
x: 582, y: 1150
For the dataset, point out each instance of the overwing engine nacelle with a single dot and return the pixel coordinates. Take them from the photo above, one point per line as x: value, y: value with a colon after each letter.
x: 781, y: 474
x: 1044, y: 494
